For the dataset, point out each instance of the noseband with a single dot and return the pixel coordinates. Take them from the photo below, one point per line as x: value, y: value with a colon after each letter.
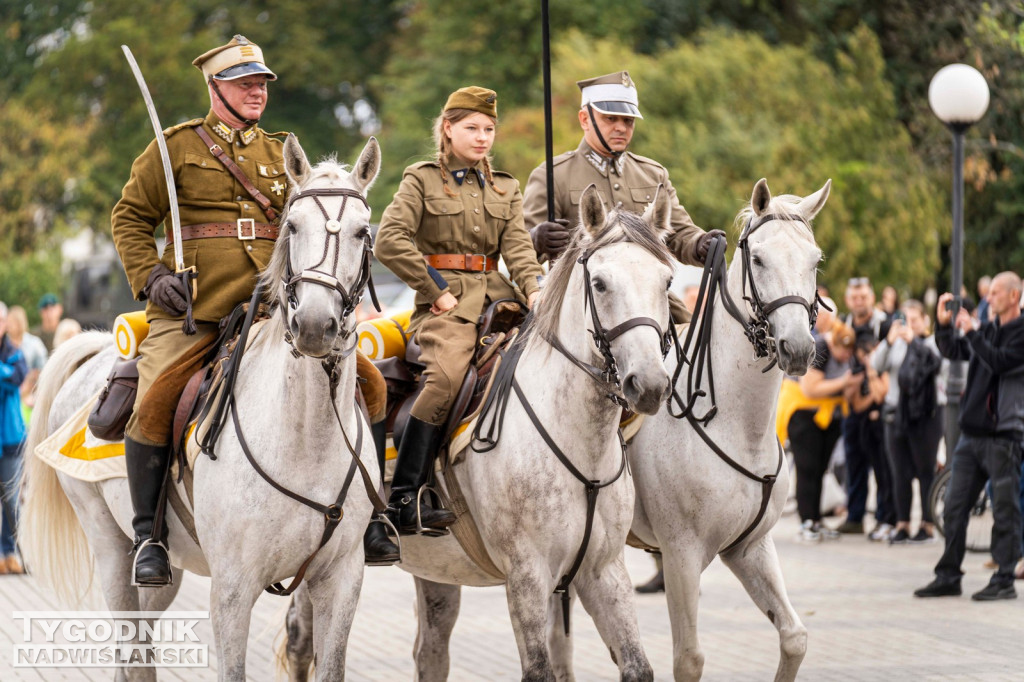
x: 603, y: 340
x: 326, y: 278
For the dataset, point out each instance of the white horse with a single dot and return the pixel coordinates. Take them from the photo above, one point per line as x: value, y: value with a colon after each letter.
x: 251, y: 535
x: 530, y: 508
x: 692, y: 502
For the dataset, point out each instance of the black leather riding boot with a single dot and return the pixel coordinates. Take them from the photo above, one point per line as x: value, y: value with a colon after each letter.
x: 147, y: 468
x: 377, y: 546
x: 415, y: 459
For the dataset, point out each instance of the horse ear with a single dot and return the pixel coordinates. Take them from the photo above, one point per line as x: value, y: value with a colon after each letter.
x: 809, y: 206
x: 593, y: 215
x: 659, y: 212
x: 367, y: 165
x: 296, y: 165
x: 761, y: 197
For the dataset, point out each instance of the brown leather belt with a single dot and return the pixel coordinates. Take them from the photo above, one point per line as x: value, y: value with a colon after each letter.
x: 245, y: 229
x: 475, y: 262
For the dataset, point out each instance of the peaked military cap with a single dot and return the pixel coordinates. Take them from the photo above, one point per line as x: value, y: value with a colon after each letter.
x: 613, y: 94
x: 474, y: 98
x: 237, y: 59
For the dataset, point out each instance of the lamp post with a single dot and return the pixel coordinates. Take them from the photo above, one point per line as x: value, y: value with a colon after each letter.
x: 958, y: 95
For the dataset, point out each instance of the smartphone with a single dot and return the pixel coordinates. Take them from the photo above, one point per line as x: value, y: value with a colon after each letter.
x: 899, y: 316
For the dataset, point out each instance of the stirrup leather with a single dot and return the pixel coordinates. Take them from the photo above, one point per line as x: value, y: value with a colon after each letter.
x: 139, y: 546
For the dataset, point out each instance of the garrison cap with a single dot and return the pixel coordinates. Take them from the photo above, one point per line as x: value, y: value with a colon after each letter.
x: 474, y: 98
x: 612, y: 95
x: 237, y: 59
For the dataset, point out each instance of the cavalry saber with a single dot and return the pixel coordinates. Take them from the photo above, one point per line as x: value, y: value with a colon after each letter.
x: 187, y: 275
x: 549, y: 166
x: 165, y: 158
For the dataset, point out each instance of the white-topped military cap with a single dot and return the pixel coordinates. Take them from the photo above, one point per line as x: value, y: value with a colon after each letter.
x: 237, y: 59
x: 612, y: 95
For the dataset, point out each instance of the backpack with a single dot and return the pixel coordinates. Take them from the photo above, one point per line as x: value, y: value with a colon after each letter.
x: 916, y: 378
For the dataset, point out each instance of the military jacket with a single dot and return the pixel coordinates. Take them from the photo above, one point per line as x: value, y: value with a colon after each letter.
x: 628, y: 182
x: 424, y: 220
x: 227, y: 267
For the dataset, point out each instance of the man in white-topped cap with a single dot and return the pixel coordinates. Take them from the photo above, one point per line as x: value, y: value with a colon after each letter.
x: 608, y: 112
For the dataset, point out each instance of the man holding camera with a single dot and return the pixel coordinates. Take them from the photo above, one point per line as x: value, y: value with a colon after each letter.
x: 992, y: 427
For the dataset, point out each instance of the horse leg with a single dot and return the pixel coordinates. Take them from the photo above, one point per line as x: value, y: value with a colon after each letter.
x: 559, y: 643
x: 682, y: 591
x: 334, y: 592
x: 528, y: 594
x: 231, y: 603
x: 607, y: 595
x: 437, y: 608
x: 758, y: 569
x: 298, y: 648
x: 158, y: 599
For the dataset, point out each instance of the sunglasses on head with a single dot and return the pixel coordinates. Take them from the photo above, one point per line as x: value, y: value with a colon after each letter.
x: 858, y: 281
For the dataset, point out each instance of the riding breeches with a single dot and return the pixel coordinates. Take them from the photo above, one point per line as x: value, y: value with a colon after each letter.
x: 447, y: 344
x: 162, y: 350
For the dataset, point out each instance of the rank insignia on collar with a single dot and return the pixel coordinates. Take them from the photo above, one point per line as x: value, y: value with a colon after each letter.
x: 277, y: 188
x: 227, y: 133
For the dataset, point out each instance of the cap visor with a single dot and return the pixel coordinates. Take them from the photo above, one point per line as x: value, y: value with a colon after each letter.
x: 617, y: 109
x: 243, y: 70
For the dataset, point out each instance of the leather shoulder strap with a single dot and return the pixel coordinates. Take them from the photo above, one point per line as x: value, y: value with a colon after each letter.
x: 233, y: 168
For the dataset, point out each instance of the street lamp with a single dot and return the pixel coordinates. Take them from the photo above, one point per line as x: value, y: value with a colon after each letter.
x: 958, y: 95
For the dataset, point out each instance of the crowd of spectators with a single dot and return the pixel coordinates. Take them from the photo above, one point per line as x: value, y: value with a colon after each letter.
x: 872, y: 405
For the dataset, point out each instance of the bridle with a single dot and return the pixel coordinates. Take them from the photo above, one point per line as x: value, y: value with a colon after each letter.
x: 609, y: 376
x: 350, y: 298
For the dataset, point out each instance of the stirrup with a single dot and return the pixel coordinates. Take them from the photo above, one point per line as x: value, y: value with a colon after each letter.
x: 393, y: 535
x: 138, y: 550
x: 420, y: 528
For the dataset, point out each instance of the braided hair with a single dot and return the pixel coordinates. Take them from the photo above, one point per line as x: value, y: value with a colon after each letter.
x: 444, y: 149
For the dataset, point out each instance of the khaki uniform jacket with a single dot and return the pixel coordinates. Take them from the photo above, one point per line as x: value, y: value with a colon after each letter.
x: 207, y: 193
x: 629, y: 183
x: 423, y: 220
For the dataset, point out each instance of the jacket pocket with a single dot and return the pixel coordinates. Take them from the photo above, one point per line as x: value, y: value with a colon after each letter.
x: 642, y: 196
x: 271, y: 181
x: 442, y: 219
x: 204, y: 179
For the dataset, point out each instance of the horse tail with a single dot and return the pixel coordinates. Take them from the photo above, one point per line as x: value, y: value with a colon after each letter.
x: 50, y: 535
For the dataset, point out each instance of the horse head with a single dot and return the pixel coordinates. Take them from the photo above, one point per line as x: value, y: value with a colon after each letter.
x: 778, y: 270
x: 321, y: 263
x: 618, y: 265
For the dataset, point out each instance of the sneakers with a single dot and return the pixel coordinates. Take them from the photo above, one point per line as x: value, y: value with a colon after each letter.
x: 900, y: 537
x: 922, y: 537
x: 940, y: 588
x: 808, y: 533
x: 881, y: 533
x: 995, y: 592
x: 851, y: 527
x: 826, y: 532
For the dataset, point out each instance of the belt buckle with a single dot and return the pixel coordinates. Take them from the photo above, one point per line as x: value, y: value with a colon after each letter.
x: 252, y: 229
x: 483, y: 261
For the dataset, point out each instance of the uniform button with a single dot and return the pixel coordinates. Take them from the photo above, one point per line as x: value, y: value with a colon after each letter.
x: 476, y: 228
x: 245, y: 206
x: 241, y: 158
x: 618, y: 204
x: 648, y: 197
x: 474, y: 194
x: 476, y: 210
x: 444, y: 210
x: 248, y: 247
x: 615, y: 186
x: 238, y: 198
x: 478, y: 276
x: 473, y: 245
x: 204, y: 163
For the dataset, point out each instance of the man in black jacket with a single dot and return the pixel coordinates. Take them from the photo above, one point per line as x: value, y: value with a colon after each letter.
x: 992, y: 428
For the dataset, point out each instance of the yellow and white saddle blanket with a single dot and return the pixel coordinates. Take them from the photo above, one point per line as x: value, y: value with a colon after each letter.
x: 73, y: 450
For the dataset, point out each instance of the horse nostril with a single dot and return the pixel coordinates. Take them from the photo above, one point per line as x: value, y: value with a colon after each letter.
x: 331, y: 328
x: 631, y: 385
x: 783, y: 347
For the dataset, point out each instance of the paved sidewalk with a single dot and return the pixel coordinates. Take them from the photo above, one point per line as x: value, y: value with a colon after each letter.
x: 855, y: 598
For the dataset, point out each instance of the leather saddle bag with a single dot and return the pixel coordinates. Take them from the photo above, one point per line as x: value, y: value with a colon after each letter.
x: 114, y: 407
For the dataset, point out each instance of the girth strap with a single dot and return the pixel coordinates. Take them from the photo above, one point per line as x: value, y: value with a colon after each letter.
x: 593, y: 488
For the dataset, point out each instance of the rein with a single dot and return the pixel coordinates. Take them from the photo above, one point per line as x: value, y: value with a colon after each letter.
x: 758, y: 331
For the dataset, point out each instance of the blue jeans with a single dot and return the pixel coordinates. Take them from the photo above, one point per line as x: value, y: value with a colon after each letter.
x: 10, y: 468
x: 976, y: 460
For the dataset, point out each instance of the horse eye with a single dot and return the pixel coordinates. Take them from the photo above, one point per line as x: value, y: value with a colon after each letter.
x: 291, y: 227
x: 363, y: 233
x: 599, y: 286
x: 757, y: 260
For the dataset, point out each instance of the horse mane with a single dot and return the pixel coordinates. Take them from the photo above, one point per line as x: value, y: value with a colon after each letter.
x: 327, y: 172
x: 784, y: 206
x: 621, y: 226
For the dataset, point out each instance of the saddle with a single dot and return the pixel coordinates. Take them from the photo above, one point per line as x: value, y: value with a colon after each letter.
x: 497, y: 327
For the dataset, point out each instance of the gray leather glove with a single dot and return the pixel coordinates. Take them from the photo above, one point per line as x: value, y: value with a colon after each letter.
x: 166, y: 290
x: 705, y: 243
x: 551, y: 238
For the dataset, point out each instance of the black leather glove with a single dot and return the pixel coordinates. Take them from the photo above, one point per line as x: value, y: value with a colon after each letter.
x: 166, y: 290
x: 551, y: 238
x: 705, y: 244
